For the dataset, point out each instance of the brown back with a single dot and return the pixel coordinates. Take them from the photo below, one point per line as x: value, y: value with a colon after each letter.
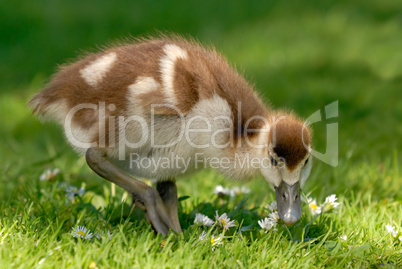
x: 201, y: 75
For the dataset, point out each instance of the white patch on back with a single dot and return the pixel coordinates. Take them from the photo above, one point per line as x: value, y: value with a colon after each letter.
x: 173, y: 52
x: 96, y: 71
x: 141, y: 86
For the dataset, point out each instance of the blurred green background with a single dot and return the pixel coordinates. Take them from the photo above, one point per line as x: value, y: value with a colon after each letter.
x: 301, y: 55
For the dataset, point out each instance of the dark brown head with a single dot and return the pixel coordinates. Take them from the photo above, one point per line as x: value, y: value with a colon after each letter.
x: 289, y: 152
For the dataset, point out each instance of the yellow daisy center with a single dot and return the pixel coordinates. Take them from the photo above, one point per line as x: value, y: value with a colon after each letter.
x: 81, y: 233
x: 223, y: 222
x: 212, y: 240
x: 313, y: 206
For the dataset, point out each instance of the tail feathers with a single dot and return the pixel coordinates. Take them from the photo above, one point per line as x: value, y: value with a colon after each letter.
x: 47, y: 109
x: 36, y: 104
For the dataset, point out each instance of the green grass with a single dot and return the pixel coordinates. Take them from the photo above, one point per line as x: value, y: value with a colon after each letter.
x: 301, y: 55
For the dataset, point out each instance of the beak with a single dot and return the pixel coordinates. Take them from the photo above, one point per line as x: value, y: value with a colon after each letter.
x: 288, y: 201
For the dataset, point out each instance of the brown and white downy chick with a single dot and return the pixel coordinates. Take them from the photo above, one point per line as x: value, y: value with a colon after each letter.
x: 165, y: 107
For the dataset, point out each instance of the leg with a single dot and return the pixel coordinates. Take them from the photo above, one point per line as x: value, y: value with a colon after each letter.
x: 142, y: 193
x: 168, y: 192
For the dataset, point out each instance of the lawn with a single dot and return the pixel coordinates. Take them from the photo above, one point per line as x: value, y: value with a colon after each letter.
x: 301, y: 55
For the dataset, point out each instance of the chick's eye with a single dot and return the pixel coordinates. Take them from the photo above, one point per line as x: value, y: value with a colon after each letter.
x: 274, y: 162
x: 305, y: 162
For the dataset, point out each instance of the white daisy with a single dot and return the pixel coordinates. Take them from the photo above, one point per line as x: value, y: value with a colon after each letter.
x: 267, y: 224
x: 82, y: 232
x: 391, y: 230
x: 216, y: 241
x: 343, y: 237
x: 235, y: 191
x: 330, y: 204
x: 73, y: 191
x: 49, y: 174
x: 244, y: 190
x: 271, y: 221
x: 202, y: 236
x: 238, y: 191
x: 274, y: 216
x: 314, y: 208
x: 272, y: 206
x: 224, y: 221
x: 104, y: 234
x: 201, y: 219
x: 221, y: 191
